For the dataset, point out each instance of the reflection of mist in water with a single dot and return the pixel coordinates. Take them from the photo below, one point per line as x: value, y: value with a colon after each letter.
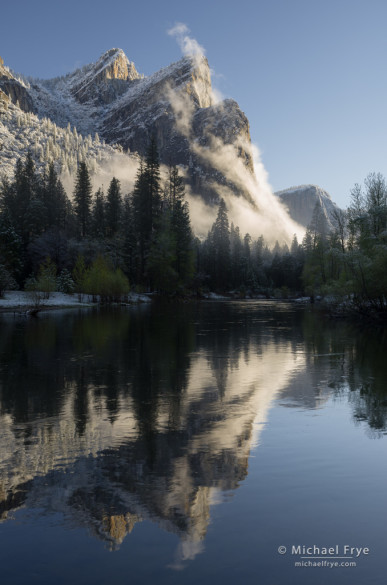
x: 143, y: 417
x: 112, y: 418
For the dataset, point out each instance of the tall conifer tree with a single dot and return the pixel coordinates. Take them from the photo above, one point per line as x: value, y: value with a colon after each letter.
x: 82, y: 197
x: 147, y: 203
x: 113, y: 207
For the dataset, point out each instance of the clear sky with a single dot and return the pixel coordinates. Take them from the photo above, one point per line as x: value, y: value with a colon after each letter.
x: 309, y: 74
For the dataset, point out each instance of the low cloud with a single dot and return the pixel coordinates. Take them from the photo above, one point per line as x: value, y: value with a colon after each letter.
x: 259, y: 212
x: 121, y: 166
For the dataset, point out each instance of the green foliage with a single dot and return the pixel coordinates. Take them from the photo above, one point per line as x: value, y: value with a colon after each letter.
x: 31, y: 286
x: 351, y: 261
x: 46, y: 281
x: 79, y: 272
x: 100, y: 280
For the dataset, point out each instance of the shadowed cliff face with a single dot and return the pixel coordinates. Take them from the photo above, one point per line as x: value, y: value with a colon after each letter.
x: 14, y: 90
x: 177, y: 106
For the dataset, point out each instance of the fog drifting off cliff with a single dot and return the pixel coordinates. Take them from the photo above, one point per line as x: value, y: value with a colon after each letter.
x: 263, y: 214
x: 260, y: 214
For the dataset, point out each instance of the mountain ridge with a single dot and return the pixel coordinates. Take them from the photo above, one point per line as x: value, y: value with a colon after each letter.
x: 175, y: 104
x: 109, y: 99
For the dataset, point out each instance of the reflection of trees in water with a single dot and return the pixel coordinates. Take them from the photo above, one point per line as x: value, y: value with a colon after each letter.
x: 146, y: 353
x: 64, y: 370
x: 112, y: 353
x: 357, y: 360
x: 182, y: 442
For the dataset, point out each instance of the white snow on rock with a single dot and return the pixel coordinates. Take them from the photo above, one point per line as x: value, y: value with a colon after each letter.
x: 301, y: 202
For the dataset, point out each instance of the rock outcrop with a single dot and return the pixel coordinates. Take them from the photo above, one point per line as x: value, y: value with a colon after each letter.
x: 15, y: 91
x: 103, y: 82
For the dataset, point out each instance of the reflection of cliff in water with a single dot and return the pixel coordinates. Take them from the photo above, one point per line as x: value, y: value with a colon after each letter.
x: 117, y: 417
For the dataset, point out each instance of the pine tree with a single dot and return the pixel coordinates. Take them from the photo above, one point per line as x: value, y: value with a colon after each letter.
x: 55, y: 199
x: 82, y: 198
x: 98, y: 223
x: 147, y: 204
x: 152, y: 180
x: 180, y: 228
x: 10, y: 246
x: 221, y: 240
x: 236, y: 250
x: 183, y: 242
x: 161, y: 258
x: 129, y: 242
x: 142, y: 224
x: 113, y: 207
x: 25, y: 190
x: 176, y: 190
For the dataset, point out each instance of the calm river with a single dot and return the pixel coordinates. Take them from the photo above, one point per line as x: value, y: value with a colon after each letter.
x: 214, y: 443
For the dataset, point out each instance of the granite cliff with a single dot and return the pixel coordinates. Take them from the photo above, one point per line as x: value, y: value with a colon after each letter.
x: 16, y: 91
x: 301, y: 202
x: 175, y: 104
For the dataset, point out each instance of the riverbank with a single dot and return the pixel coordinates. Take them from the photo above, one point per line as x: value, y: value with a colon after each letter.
x: 24, y: 301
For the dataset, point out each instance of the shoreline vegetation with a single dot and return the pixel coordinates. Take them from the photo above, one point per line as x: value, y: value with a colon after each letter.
x: 114, y: 248
x: 30, y: 304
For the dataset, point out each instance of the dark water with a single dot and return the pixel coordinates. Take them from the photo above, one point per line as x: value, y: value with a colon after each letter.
x: 186, y: 444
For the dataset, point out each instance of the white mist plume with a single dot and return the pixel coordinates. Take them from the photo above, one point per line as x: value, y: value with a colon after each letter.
x: 121, y: 166
x: 187, y: 44
x: 262, y: 213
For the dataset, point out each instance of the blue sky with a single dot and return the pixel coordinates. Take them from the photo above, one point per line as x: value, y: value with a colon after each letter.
x: 309, y: 75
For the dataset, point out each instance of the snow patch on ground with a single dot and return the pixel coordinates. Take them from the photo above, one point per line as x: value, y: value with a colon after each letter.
x: 25, y: 300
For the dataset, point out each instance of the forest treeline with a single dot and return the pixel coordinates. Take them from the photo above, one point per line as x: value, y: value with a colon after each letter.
x: 105, y: 244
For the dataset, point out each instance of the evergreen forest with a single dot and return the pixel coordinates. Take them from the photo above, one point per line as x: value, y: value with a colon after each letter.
x: 106, y: 244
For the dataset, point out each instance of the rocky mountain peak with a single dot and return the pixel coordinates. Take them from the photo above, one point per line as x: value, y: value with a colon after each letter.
x: 302, y: 200
x: 102, y: 82
x: 114, y: 64
x: 194, y: 74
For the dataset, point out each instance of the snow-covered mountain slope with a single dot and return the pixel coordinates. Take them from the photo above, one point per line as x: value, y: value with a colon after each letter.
x: 21, y: 132
x: 301, y: 202
x: 175, y: 104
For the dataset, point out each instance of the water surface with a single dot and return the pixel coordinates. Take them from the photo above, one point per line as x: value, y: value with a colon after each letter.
x: 187, y: 443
